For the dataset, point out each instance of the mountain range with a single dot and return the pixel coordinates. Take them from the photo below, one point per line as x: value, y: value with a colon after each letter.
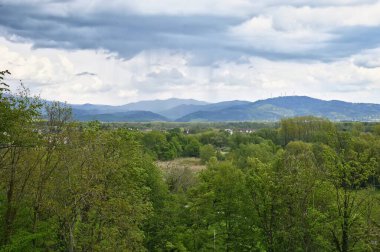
x: 189, y: 110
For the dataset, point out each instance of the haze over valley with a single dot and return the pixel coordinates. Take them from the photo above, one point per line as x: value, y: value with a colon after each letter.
x: 273, y: 109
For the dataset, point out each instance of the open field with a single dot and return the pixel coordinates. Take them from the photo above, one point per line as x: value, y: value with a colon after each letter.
x: 193, y: 164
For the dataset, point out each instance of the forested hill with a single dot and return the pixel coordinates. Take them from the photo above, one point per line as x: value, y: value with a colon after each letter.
x: 150, y: 105
x: 128, y: 116
x: 276, y: 108
x: 272, y: 109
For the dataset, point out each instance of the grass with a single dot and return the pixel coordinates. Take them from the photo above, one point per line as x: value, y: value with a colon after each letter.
x: 193, y: 164
x: 180, y: 173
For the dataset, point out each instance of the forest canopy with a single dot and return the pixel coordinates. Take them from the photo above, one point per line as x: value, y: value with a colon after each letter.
x: 306, y: 184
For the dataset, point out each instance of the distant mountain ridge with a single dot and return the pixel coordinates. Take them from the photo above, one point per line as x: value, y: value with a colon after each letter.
x: 143, y: 111
x: 185, y: 109
x: 150, y: 105
x: 128, y: 116
x: 189, y: 110
x: 274, y: 109
x: 157, y: 106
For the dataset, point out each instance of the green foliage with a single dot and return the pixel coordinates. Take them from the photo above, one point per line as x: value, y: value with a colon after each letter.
x: 64, y: 186
x: 157, y: 144
x: 191, y: 149
x: 206, y: 152
x: 308, y: 129
x: 270, y: 134
x: 376, y: 129
x: 215, y: 138
x: 4, y: 87
x: 264, y: 151
x: 217, y: 209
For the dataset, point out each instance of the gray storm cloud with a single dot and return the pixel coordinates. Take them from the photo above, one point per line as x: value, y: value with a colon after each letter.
x: 192, y: 49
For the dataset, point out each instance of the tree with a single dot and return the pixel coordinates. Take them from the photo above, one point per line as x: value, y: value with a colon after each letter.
x: 376, y: 129
x: 4, y: 87
x: 18, y: 141
x: 264, y: 151
x: 58, y: 114
x: 221, y: 219
x: 192, y: 147
x: 158, y: 145
x: 308, y: 129
x: 262, y: 186
x: 206, y: 152
x: 350, y: 178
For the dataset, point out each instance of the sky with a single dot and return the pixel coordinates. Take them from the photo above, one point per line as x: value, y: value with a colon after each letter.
x: 121, y: 51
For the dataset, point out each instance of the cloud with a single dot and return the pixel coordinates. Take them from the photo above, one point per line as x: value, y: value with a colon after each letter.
x: 212, y: 30
x: 326, y: 18
x: 94, y: 76
x: 125, y: 51
x: 86, y: 74
x: 323, y: 33
x: 124, y: 33
x: 43, y: 70
x: 368, y: 59
x: 260, y: 33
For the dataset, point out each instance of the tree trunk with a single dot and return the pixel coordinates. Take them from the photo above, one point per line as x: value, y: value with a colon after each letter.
x: 10, y: 211
x: 71, y: 239
x: 345, y: 225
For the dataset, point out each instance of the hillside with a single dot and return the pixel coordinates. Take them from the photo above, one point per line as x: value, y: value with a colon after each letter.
x: 129, y: 116
x: 273, y: 109
x: 276, y: 108
x: 185, y: 109
x: 159, y: 105
x: 154, y: 106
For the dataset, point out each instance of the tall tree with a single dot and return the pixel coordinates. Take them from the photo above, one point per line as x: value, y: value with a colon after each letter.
x: 19, y: 139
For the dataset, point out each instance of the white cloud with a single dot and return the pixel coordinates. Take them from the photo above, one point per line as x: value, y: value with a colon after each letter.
x: 288, y: 18
x: 30, y: 66
x: 216, y: 29
x: 260, y: 33
x: 368, y: 58
x: 98, y: 77
x: 292, y: 29
x: 297, y: 27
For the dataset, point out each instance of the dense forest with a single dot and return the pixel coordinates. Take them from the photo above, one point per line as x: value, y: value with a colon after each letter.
x: 306, y: 184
